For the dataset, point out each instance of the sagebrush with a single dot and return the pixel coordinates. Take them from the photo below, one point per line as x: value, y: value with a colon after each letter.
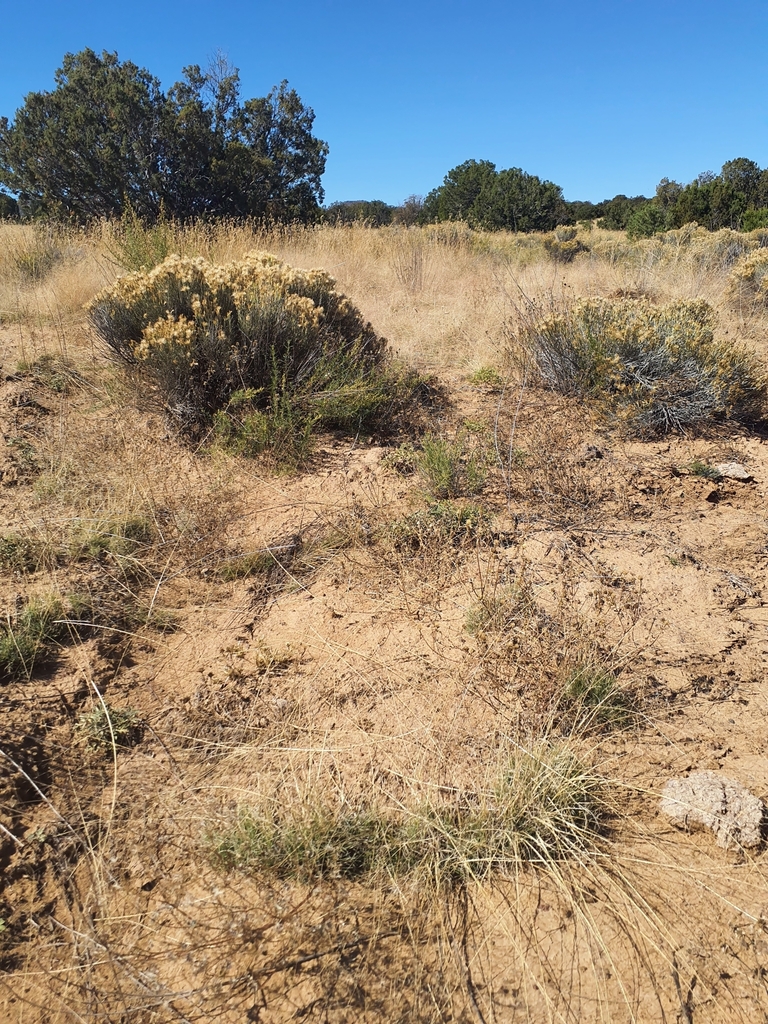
x: 659, y: 368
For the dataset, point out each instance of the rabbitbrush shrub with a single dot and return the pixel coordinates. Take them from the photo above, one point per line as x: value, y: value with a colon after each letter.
x: 659, y: 368
x: 255, y: 347
x: 748, y: 281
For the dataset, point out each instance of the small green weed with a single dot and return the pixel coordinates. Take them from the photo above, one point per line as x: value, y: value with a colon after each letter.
x: 106, y: 727
x: 403, y: 460
x: 440, y: 522
x: 488, y: 377
x: 137, y: 245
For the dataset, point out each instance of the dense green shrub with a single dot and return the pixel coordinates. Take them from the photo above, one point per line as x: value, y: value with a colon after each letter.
x: 256, y: 348
x: 108, y: 137
x: 493, y: 200
x: 659, y: 368
x: 646, y: 220
x: 753, y: 219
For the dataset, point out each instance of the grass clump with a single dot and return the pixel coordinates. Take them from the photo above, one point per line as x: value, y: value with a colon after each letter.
x: 105, y: 727
x: 659, y: 368
x: 241, y: 567
x: 499, y: 612
x: 592, y: 698
x: 19, y: 554
x: 35, y: 252
x: 699, y: 468
x: 262, y: 352
x: 450, y: 469
x: 30, y: 637
x: 544, y: 805
x: 121, y: 537
x: 51, y: 371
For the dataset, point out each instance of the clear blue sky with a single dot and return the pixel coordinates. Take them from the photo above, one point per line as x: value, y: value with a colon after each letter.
x: 600, y: 96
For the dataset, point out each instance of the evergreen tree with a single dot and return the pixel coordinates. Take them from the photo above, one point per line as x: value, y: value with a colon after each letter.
x: 108, y: 138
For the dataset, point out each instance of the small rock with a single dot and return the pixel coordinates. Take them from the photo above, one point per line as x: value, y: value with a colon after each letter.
x: 733, y: 471
x: 711, y: 800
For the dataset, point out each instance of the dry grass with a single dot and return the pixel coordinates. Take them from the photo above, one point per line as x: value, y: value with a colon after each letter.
x: 358, y: 683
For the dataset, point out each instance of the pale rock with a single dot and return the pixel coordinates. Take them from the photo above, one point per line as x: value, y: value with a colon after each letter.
x: 711, y: 800
x: 733, y: 471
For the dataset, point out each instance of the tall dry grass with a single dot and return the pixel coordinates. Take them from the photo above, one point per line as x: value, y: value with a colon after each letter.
x: 443, y: 295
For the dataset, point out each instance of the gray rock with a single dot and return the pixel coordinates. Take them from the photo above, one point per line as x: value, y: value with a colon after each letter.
x: 711, y: 800
x: 733, y: 471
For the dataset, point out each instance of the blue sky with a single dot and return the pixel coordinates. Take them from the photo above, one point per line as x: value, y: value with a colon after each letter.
x: 601, y: 97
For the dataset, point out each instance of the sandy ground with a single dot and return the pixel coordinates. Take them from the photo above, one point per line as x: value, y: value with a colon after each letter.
x: 349, y: 672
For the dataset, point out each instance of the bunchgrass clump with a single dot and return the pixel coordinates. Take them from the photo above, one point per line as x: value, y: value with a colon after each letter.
x: 241, y: 567
x: 105, y: 728
x: 499, y: 612
x: 450, y: 469
x: 699, y: 468
x: 35, y: 252
x: 591, y: 698
x: 121, y: 537
x: 51, y: 371
x: 19, y: 554
x: 657, y: 368
x: 545, y: 805
x: 263, y: 353
x: 30, y: 636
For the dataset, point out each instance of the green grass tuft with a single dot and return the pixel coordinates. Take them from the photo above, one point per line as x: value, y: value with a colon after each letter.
x: 544, y: 806
x: 30, y: 637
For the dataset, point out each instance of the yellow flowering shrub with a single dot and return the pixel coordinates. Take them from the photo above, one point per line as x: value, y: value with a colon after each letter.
x: 257, y: 327
x: 749, y: 278
x: 659, y: 367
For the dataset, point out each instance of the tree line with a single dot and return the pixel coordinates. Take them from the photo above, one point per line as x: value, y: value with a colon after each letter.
x: 107, y: 141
